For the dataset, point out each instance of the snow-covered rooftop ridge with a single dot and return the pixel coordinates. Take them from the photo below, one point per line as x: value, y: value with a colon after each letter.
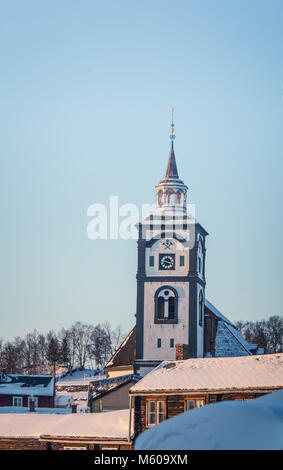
x: 216, y: 312
x: 214, y: 374
x: 114, y: 424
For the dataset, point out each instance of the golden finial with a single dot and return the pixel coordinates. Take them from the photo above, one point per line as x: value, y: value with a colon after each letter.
x: 172, y: 136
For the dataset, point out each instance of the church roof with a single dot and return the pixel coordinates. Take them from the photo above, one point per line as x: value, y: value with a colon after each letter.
x: 228, y: 340
x: 125, y: 354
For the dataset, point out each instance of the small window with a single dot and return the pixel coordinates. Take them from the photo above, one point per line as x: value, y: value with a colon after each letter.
x: 17, y: 401
x: 191, y: 404
x: 159, y: 342
x: 182, y: 261
x: 155, y: 412
x: 151, y: 261
x: 172, y: 343
x: 80, y: 448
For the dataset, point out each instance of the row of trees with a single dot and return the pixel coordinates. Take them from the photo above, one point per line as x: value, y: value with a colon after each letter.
x: 268, y: 334
x: 74, y: 347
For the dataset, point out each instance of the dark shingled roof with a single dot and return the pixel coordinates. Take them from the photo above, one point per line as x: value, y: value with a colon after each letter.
x: 126, y: 353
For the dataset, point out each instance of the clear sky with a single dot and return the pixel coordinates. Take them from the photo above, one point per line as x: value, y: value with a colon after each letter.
x: 86, y: 90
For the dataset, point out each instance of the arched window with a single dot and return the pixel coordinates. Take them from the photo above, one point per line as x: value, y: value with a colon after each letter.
x: 166, y: 305
x: 200, y: 308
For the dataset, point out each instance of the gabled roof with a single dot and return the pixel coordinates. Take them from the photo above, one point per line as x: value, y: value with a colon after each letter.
x: 38, y: 385
x: 214, y: 375
x: 125, y: 354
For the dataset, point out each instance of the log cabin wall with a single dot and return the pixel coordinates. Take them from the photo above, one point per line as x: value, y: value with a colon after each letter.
x: 175, y: 404
x: 37, y: 444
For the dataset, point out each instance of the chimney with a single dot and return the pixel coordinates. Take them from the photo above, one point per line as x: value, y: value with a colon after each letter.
x: 74, y: 408
x: 182, y: 351
x: 32, y: 406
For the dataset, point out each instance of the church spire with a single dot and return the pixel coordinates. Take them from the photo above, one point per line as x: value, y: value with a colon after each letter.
x: 171, y: 192
x: 172, y: 171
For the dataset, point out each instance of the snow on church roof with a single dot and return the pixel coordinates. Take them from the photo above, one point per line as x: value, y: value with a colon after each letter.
x: 214, y: 374
x: 230, y: 342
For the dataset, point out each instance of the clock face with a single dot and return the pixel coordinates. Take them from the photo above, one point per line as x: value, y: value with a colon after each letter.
x: 166, y: 261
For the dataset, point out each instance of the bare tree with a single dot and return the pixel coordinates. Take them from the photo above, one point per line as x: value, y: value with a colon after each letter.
x: 274, y: 333
x: 81, y: 333
x: 266, y: 334
x: 52, y: 350
x: 100, y: 345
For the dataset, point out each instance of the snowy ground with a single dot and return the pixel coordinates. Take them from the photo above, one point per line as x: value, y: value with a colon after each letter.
x: 81, y: 377
x: 252, y: 425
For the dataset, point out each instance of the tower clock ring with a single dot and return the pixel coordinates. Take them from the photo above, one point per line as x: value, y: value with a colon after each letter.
x: 166, y: 261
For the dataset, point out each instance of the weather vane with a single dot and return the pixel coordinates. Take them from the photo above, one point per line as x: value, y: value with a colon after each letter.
x: 172, y: 135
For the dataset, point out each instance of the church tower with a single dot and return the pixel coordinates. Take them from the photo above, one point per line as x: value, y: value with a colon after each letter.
x: 170, y: 275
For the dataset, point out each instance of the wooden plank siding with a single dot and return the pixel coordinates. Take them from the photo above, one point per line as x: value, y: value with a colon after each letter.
x: 176, y: 404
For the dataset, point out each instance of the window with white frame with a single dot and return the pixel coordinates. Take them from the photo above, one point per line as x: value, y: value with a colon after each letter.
x: 17, y: 401
x: 191, y: 403
x: 155, y: 412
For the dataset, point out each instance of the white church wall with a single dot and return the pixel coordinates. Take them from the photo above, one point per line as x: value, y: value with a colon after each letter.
x: 152, y: 331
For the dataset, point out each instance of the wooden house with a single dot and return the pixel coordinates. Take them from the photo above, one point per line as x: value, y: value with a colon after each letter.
x: 178, y: 386
x: 111, y: 394
x: 21, y: 390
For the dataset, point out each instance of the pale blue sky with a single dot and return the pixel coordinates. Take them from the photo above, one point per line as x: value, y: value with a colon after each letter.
x: 86, y: 90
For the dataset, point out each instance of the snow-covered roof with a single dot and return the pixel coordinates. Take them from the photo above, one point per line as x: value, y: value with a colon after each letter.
x: 37, y: 385
x: 228, y: 425
x: 214, y: 374
x: 114, y: 425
